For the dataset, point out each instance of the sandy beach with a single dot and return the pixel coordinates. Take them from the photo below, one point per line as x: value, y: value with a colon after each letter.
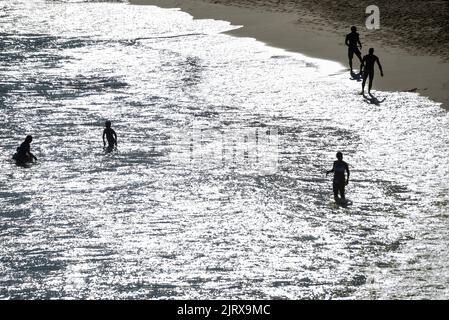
x: 412, y: 47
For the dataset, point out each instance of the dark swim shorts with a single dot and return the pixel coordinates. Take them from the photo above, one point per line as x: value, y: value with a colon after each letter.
x: 352, y: 50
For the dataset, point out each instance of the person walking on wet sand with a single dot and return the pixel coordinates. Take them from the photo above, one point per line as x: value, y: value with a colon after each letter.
x: 111, y: 137
x: 339, y: 181
x: 352, y: 41
x: 24, y: 154
x: 368, y: 69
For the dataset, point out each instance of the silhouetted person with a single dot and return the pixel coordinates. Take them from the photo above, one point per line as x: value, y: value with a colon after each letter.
x: 111, y: 136
x: 339, y: 182
x: 24, y: 154
x: 352, y: 40
x: 368, y: 69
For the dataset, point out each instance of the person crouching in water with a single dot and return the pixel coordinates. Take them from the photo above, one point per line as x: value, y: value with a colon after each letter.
x: 339, y: 182
x: 24, y: 154
x: 111, y: 136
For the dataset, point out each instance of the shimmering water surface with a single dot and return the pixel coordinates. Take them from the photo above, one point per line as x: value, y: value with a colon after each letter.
x: 217, y: 189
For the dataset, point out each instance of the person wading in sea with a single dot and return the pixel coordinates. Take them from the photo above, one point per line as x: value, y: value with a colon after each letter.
x: 339, y: 181
x: 111, y: 137
x: 24, y: 154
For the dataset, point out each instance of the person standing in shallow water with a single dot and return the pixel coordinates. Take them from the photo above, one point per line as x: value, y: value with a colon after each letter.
x: 368, y: 69
x: 339, y: 181
x: 24, y: 154
x: 352, y: 41
x: 110, y: 135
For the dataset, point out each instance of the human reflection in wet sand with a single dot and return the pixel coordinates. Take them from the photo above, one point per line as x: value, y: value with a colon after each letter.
x: 356, y: 76
x: 24, y: 155
x: 368, y: 69
x: 371, y: 99
x: 111, y: 137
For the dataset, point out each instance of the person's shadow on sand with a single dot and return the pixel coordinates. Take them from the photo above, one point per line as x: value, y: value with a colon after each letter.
x: 371, y: 99
x: 356, y: 76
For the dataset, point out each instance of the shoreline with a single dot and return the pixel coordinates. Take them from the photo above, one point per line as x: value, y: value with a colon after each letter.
x: 312, y: 35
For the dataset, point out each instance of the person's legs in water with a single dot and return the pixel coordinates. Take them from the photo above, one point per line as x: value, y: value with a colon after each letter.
x: 335, y: 189
x: 365, y: 75
x: 109, y: 148
x: 371, y: 77
x: 341, y: 188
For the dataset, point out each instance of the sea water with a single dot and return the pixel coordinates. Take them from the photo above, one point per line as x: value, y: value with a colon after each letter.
x: 218, y: 186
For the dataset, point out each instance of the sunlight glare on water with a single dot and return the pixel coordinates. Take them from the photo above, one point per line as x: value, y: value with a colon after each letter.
x: 217, y: 189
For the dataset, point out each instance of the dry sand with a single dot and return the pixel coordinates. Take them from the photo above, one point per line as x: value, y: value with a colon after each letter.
x: 317, y: 29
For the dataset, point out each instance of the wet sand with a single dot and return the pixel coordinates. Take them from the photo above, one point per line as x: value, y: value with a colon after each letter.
x: 318, y: 30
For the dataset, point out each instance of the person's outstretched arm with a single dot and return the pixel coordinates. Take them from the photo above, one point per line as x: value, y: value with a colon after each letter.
x: 33, y: 156
x: 104, y: 141
x: 358, y: 40
x: 380, y: 67
x: 115, y: 137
